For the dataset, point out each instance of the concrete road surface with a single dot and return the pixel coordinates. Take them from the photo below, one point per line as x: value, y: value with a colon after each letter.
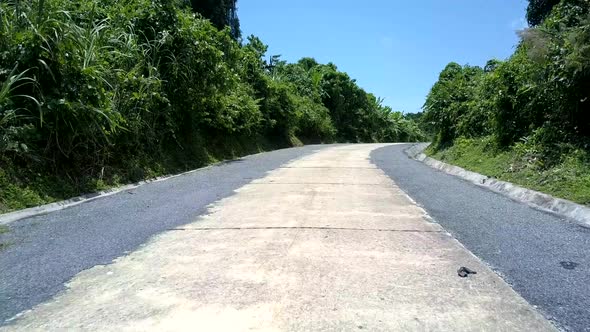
x: 325, y: 242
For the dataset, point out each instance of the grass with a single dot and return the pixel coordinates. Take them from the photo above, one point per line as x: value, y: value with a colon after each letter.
x: 567, y: 177
x: 23, y: 188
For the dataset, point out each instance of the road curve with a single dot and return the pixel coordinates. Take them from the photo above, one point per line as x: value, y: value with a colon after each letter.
x: 324, y: 242
x: 545, y: 258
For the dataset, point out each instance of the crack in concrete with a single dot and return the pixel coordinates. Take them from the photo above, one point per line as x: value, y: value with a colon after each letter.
x: 323, y: 183
x: 326, y: 167
x: 303, y: 228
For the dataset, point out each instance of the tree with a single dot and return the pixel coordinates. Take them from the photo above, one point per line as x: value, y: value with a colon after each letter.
x: 492, y: 65
x: 538, y: 10
x: 221, y: 13
x: 449, y: 105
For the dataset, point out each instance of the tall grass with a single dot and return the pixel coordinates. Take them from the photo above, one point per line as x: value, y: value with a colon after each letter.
x: 97, y: 93
x: 10, y: 110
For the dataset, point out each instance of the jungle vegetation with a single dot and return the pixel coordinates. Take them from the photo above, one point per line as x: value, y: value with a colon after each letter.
x: 526, y: 118
x: 98, y: 93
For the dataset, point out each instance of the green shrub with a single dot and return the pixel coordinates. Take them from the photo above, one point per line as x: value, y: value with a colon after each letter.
x: 97, y: 93
x: 541, y: 92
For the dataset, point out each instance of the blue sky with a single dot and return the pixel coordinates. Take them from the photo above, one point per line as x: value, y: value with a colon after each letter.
x: 395, y: 49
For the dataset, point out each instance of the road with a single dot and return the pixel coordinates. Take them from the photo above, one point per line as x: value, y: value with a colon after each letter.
x: 315, y: 238
x: 48, y: 250
x: 545, y: 258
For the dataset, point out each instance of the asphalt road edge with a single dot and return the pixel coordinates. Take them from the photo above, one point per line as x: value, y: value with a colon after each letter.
x: 577, y: 213
x: 10, y: 217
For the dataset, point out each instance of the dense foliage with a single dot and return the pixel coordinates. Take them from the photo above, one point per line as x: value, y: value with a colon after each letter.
x: 539, y: 96
x: 221, y: 13
x: 538, y: 10
x: 527, y: 119
x: 108, y: 91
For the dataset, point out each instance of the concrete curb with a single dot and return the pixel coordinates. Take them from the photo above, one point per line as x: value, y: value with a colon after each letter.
x: 580, y: 214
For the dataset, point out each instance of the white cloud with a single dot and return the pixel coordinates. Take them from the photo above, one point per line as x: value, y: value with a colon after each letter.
x: 518, y: 24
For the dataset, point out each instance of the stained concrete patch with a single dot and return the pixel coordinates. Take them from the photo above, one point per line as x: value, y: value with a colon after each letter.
x: 301, y: 249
